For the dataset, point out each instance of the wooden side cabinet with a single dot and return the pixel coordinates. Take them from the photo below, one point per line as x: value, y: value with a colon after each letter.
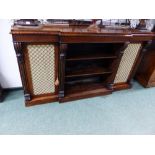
x: 146, y: 71
x: 1, y: 95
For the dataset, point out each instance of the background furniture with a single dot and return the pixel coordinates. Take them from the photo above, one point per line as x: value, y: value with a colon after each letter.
x: 1, y: 97
x: 64, y: 63
x: 145, y: 74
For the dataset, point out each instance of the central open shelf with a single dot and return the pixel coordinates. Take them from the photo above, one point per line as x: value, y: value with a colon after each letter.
x: 88, y: 68
x: 85, y: 69
x: 82, y: 87
x: 88, y: 55
x: 87, y: 52
x: 81, y: 91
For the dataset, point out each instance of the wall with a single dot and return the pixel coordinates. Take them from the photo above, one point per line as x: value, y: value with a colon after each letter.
x: 9, y: 72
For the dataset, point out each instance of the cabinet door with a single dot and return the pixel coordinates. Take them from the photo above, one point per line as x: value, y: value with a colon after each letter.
x: 127, y: 66
x: 41, y: 69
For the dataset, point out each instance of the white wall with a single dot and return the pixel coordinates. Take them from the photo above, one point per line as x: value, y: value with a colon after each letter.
x: 9, y: 72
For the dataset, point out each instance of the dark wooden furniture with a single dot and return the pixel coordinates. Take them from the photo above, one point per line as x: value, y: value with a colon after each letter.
x: 1, y: 95
x: 64, y: 63
x: 145, y: 74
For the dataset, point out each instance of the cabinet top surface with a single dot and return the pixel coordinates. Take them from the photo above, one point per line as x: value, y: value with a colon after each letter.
x: 76, y: 30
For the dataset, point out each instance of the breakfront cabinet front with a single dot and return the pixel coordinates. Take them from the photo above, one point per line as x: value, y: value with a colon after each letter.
x: 38, y: 63
x: 65, y: 63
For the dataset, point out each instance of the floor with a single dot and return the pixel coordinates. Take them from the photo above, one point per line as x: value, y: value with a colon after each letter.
x: 124, y: 112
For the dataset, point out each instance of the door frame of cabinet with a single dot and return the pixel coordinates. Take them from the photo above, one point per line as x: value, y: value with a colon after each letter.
x: 24, y: 68
x: 141, y: 51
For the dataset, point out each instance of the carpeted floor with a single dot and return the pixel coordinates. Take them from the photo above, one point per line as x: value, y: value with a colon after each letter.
x: 124, y: 112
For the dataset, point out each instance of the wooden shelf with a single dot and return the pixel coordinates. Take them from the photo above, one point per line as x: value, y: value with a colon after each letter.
x: 74, y: 88
x: 86, y: 79
x: 90, y: 56
x: 88, y: 68
x: 81, y: 91
x: 86, y: 71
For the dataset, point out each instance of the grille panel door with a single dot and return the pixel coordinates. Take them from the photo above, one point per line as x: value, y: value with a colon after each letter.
x: 42, y: 68
x: 127, y: 63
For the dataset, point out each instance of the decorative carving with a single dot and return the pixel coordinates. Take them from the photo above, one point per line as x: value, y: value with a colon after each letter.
x: 19, y: 57
x: 27, y: 97
x: 61, y: 94
x: 18, y: 49
x: 19, y: 54
x: 63, y: 48
x: 110, y: 86
x: 17, y: 46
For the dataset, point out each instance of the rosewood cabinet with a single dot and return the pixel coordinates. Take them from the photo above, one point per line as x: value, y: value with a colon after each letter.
x: 65, y: 63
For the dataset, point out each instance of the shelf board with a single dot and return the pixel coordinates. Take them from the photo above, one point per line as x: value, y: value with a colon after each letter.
x: 80, y: 91
x: 92, y: 70
x: 90, y: 56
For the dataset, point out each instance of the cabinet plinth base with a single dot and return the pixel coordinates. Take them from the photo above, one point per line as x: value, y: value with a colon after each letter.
x: 41, y: 100
x: 121, y: 86
x: 86, y: 94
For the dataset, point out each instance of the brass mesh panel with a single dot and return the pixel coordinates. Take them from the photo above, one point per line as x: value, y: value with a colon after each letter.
x: 42, y: 66
x: 127, y: 62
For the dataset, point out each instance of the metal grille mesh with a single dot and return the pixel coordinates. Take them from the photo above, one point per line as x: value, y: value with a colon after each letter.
x: 42, y: 66
x: 127, y: 62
